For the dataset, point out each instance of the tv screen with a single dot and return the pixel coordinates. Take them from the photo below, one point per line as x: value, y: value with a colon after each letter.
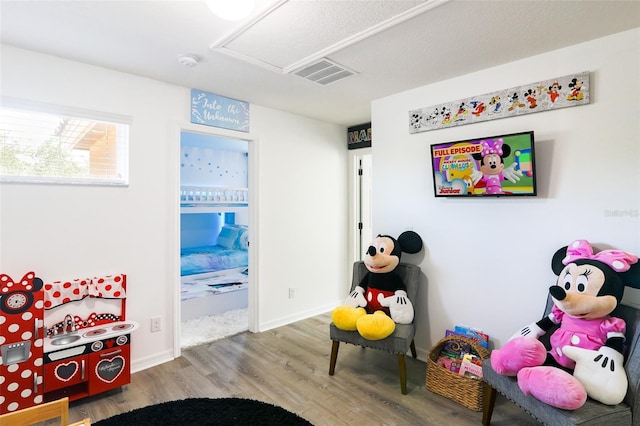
x: 494, y: 166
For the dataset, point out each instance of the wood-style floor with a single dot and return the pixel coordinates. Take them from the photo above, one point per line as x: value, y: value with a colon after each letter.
x: 288, y: 366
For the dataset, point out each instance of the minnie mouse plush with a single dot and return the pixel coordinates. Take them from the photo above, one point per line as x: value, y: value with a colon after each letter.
x: 380, y: 300
x: 585, y: 354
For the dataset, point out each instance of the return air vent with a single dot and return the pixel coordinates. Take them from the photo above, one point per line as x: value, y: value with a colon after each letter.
x: 324, y: 72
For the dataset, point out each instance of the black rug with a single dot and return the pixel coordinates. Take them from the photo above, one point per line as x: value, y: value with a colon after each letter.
x: 205, y: 412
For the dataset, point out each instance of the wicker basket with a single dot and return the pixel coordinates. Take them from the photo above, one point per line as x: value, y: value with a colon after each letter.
x: 466, y: 391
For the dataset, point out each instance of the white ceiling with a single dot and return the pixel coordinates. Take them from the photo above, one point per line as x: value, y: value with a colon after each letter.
x: 390, y: 45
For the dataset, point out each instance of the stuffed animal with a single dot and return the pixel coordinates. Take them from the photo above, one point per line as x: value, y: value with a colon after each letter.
x: 584, y: 355
x: 380, y: 300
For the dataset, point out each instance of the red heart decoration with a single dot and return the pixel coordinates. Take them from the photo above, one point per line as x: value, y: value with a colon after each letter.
x: 66, y: 371
x: 108, y: 370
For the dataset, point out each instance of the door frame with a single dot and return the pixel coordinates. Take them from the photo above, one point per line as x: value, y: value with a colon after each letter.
x: 358, y: 211
x: 174, y: 250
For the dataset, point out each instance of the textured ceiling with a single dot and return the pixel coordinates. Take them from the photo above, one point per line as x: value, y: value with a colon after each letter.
x: 293, y: 30
x: 391, y: 46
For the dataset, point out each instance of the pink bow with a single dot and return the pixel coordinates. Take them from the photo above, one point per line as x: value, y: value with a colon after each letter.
x: 619, y: 260
x: 495, y: 147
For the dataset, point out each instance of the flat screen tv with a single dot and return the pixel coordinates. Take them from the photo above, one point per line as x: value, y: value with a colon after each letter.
x: 494, y: 166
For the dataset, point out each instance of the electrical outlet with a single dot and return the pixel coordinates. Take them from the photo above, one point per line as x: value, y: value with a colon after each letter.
x: 156, y: 324
x: 292, y: 293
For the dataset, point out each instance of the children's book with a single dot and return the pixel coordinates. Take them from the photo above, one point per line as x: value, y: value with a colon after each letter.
x: 470, y: 369
x: 478, y: 336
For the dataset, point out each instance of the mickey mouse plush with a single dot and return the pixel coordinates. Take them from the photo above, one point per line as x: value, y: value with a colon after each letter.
x: 380, y: 300
x: 585, y: 357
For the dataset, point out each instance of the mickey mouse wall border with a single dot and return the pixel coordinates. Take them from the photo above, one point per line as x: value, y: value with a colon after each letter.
x: 546, y: 95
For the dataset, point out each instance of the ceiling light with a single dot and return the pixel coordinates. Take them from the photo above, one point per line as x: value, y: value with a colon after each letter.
x: 231, y: 10
x: 188, y: 61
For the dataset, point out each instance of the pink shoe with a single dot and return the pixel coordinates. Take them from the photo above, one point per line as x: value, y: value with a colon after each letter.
x: 516, y: 354
x: 552, y: 386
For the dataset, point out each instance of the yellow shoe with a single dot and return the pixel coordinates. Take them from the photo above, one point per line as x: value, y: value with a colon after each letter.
x: 376, y: 326
x: 346, y: 317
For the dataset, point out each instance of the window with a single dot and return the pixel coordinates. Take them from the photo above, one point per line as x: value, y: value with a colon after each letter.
x: 50, y: 144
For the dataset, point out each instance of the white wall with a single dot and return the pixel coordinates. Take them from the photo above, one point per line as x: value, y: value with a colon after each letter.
x: 302, y: 178
x: 76, y: 231
x: 496, y: 276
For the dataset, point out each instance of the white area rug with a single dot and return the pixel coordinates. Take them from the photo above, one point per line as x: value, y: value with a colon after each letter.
x: 207, y: 329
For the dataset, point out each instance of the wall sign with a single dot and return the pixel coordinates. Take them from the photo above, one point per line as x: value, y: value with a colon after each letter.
x: 218, y: 111
x: 359, y: 136
x: 568, y: 91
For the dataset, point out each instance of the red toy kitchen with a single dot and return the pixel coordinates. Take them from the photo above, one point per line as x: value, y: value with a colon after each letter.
x: 62, y: 338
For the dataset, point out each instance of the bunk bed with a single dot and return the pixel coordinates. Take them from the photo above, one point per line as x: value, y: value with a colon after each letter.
x: 214, y: 278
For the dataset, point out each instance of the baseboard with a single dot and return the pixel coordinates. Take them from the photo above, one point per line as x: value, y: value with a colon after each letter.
x: 152, y: 360
x: 423, y: 354
x: 279, y: 322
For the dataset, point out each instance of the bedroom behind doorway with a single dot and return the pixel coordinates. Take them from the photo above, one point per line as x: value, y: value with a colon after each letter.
x: 214, y: 237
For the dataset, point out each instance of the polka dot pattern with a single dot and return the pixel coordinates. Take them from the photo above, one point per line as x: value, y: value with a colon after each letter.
x: 60, y: 292
x: 17, y: 379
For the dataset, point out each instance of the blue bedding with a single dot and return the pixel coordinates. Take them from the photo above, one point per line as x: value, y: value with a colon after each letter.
x: 198, y: 260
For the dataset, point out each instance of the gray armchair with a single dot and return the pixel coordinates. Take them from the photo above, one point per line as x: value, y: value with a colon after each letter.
x: 400, y: 342
x: 592, y: 412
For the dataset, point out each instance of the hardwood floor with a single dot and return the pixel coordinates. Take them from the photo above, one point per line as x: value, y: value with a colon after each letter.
x: 289, y: 367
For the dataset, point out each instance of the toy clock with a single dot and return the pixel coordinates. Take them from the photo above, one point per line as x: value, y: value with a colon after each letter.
x: 16, y: 298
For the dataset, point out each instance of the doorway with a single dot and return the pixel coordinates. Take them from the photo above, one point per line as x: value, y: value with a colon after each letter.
x: 214, y: 237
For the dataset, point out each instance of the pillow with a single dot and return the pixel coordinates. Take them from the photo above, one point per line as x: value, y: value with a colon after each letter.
x: 242, y: 242
x: 228, y: 236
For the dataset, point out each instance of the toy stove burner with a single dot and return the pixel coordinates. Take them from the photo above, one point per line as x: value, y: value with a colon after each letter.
x: 121, y: 327
x: 96, y: 332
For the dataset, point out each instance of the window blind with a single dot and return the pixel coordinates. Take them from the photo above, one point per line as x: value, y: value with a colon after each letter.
x: 49, y: 144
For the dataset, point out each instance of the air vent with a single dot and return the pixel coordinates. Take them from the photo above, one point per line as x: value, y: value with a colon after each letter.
x: 324, y: 72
